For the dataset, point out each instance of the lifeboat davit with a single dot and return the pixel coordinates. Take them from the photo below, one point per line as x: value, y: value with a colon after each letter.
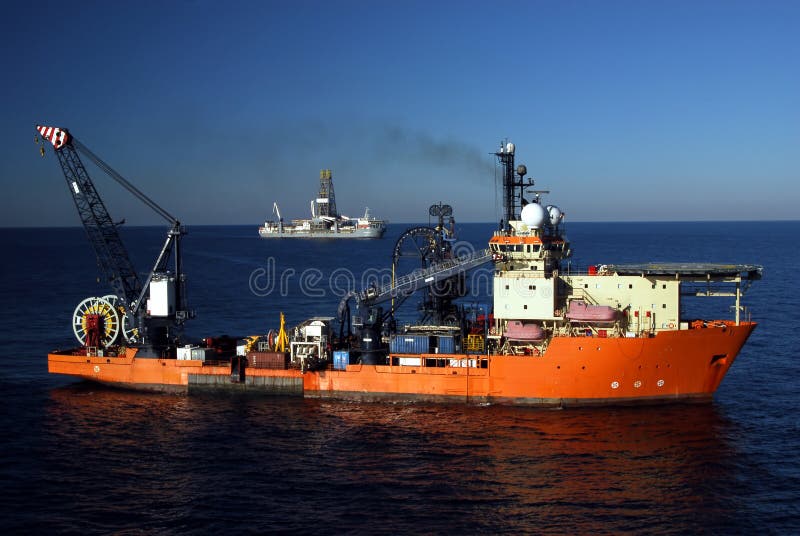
x: 583, y: 312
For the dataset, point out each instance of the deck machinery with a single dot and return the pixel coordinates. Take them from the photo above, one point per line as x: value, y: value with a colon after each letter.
x: 432, y: 268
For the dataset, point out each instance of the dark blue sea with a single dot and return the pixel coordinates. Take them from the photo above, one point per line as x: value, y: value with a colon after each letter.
x: 83, y: 459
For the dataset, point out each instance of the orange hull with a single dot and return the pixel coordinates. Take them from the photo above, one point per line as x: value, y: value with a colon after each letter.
x: 673, y: 365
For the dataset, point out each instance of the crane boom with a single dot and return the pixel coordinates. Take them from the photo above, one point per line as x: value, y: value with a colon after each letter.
x: 112, y: 256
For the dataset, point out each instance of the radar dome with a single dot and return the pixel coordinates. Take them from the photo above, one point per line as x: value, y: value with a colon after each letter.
x: 555, y: 214
x: 510, y: 148
x: 534, y: 215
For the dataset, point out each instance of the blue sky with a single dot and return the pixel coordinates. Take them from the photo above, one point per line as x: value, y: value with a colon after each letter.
x: 641, y: 110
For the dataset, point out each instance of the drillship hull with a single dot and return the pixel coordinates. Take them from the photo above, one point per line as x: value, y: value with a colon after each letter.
x: 672, y: 365
x: 342, y: 233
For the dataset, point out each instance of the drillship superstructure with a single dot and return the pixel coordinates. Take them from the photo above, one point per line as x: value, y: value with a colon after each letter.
x: 325, y: 221
x: 554, y: 336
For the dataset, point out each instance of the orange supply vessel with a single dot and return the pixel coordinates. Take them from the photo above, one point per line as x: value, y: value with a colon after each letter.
x: 612, y: 334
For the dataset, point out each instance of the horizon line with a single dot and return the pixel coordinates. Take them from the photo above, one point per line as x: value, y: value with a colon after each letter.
x: 78, y: 226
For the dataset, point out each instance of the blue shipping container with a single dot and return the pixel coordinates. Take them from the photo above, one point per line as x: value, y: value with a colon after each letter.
x: 409, y: 344
x: 341, y: 358
x: 447, y: 344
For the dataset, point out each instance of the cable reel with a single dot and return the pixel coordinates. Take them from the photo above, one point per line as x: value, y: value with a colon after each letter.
x: 422, y: 247
x: 129, y: 332
x: 105, y: 311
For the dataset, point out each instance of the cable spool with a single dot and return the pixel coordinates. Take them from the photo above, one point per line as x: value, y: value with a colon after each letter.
x: 129, y: 332
x: 109, y: 320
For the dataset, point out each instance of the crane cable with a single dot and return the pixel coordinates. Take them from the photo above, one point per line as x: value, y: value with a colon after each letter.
x: 123, y: 182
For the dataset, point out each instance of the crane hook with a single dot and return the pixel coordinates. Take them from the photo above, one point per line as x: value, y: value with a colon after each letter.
x: 41, y: 150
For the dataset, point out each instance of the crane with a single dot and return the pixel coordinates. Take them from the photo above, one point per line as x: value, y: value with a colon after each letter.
x: 149, y: 321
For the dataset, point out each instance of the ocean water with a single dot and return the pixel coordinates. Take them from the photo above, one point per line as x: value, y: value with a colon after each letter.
x: 80, y: 458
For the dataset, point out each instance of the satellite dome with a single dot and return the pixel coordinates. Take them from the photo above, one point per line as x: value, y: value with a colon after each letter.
x: 534, y: 215
x: 510, y: 148
x: 555, y: 215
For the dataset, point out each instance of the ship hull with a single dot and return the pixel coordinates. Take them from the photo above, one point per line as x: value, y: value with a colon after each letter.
x: 685, y: 365
x: 358, y: 233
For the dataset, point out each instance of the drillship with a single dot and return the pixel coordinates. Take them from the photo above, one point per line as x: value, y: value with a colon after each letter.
x: 554, y: 337
x: 325, y: 221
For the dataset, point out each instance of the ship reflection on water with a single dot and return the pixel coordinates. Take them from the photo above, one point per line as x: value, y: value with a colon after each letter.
x: 414, y: 466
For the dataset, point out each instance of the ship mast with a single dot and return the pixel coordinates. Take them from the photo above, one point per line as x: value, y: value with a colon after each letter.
x: 514, y: 185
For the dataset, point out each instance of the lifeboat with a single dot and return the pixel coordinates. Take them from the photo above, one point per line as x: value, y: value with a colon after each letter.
x: 517, y: 331
x: 581, y: 311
